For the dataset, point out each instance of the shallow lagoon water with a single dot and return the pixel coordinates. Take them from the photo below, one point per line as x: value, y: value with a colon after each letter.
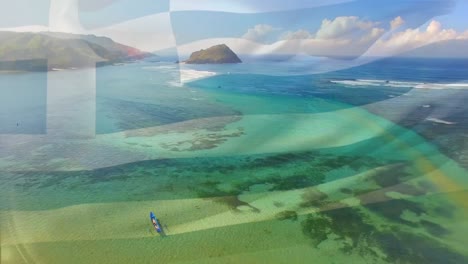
x: 287, y: 169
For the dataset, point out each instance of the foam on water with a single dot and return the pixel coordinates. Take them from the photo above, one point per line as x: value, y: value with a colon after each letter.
x: 402, y: 84
x: 440, y: 121
x: 187, y: 75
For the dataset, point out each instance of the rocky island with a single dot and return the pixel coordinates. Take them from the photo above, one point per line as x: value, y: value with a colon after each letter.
x: 218, y: 54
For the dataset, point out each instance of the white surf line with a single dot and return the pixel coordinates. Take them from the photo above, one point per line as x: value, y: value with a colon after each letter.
x: 402, y: 84
x: 189, y: 75
x: 440, y: 121
x: 100, y: 221
x: 405, y: 107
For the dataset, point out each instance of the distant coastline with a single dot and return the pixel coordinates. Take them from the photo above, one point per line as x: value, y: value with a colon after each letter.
x: 46, y: 51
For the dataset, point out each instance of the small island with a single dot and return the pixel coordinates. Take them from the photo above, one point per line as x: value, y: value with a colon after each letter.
x: 219, y: 54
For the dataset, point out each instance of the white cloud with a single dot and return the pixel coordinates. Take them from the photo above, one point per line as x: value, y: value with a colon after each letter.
x: 259, y: 32
x: 63, y: 17
x: 346, y: 29
x: 300, y: 34
x: 434, y: 27
x: 340, y: 37
x: 408, y: 39
x: 90, y: 5
x: 343, y: 26
x: 463, y: 35
x: 372, y: 35
x: 137, y: 34
x: 396, y: 23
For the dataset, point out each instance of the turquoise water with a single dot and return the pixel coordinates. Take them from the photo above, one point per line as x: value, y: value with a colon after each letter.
x: 240, y: 168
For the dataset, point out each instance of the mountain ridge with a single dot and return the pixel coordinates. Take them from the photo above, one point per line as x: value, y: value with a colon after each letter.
x: 25, y: 51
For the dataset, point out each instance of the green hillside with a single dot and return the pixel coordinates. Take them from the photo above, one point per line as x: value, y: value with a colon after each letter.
x: 29, y: 51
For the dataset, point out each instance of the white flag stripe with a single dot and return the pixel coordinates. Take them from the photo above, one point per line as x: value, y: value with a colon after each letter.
x: 248, y: 6
x: 136, y: 33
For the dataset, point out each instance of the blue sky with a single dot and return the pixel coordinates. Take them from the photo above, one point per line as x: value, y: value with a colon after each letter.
x: 192, y: 25
x: 120, y: 10
x: 249, y: 6
x: 29, y: 12
x: 14, y: 13
x: 458, y: 17
x: 314, y: 27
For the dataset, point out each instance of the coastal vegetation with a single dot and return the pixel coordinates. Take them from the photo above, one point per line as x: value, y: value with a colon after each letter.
x: 24, y: 51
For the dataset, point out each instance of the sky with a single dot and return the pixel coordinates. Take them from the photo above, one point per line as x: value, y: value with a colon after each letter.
x: 319, y: 28
x: 458, y: 17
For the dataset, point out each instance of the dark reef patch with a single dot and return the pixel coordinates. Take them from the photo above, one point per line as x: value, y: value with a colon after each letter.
x: 287, y: 215
x: 392, y: 176
x: 427, y: 186
x: 393, y: 209
x: 278, y: 204
x: 349, y: 223
x: 202, y: 142
x: 230, y: 198
x: 446, y: 210
x: 434, y: 229
x: 344, y: 223
x: 316, y: 228
x: 399, y: 246
x: 346, y: 190
x: 405, y: 247
x: 407, y: 189
x: 202, y: 177
x: 278, y: 160
x: 296, y: 181
x: 313, y: 198
x: 233, y: 202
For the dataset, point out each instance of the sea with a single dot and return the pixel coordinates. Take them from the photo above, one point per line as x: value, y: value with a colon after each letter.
x: 304, y: 160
